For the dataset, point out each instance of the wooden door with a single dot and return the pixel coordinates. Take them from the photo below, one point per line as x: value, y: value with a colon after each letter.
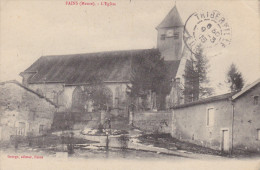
x: 225, y: 140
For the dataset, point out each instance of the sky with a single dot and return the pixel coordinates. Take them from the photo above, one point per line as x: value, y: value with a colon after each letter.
x: 30, y: 29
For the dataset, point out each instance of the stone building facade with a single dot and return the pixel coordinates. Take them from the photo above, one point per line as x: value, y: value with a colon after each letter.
x: 23, y: 111
x: 246, y: 124
x: 225, y: 122
x: 61, y: 77
x: 202, y: 122
x: 67, y: 96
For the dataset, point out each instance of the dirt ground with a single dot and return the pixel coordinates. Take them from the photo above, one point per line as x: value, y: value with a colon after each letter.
x: 168, y: 142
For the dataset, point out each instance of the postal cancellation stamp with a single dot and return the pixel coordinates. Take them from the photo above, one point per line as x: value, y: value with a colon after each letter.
x: 209, y: 30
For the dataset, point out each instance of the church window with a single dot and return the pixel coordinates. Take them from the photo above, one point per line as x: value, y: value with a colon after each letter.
x: 41, y: 129
x: 33, y: 115
x: 117, y: 95
x: 30, y: 127
x: 176, y: 35
x: 256, y: 100
x: 77, y: 99
x: 163, y: 37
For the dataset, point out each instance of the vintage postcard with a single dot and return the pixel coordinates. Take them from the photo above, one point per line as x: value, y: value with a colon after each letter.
x: 130, y: 84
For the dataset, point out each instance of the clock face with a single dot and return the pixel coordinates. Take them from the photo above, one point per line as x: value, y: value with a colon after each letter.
x: 169, y: 33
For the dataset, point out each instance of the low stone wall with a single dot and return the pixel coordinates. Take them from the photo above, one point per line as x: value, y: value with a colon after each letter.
x: 150, y: 121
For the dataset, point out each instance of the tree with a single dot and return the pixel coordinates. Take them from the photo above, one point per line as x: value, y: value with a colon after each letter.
x: 98, y: 93
x: 95, y: 96
x: 149, y: 75
x: 234, y: 78
x: 196, y: 78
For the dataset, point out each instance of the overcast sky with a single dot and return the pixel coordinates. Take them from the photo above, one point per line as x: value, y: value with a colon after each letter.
x: 30, y: 29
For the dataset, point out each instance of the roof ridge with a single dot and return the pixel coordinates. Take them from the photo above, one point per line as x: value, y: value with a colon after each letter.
x: 245, y: 89
x: 76, y: 69
x: 205, y: 100
x: 100, y: 52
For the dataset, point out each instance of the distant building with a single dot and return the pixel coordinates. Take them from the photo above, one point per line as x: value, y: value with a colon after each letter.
x: 23, y: 111
x: 63, y: 78
x: 224, y: 122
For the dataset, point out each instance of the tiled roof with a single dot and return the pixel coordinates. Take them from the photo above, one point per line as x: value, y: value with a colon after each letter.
x: 206, y: 100
x: 232, y: 96
x: 172, y: 19
x: 114, y: 66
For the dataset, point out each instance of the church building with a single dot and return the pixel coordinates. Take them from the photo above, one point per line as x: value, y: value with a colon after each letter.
x: 64, y: 78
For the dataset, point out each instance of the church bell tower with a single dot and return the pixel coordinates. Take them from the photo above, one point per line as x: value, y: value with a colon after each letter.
x: 170, y: 36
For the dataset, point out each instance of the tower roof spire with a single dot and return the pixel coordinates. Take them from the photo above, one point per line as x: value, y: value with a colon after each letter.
x: 172, y: 19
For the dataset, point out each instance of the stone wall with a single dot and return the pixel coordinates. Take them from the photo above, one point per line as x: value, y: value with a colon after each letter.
x: 23, y: 112
x: 247, y: 121
x: 75, y: 120
x: 62, y: 95
x: 49, y: 90
x: 190, y: 123
x: 150, y: 121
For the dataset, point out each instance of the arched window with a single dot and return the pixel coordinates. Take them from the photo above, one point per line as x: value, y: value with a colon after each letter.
x: 98, y: 96
x: 77, y: 99
x: 118, y: 96
x: 108, y: 94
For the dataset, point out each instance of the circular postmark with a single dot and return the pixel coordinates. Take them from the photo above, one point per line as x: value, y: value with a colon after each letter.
x: 208, y: 30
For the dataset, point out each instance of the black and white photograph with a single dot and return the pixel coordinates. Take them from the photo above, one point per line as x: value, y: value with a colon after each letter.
x: 130, y: 84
